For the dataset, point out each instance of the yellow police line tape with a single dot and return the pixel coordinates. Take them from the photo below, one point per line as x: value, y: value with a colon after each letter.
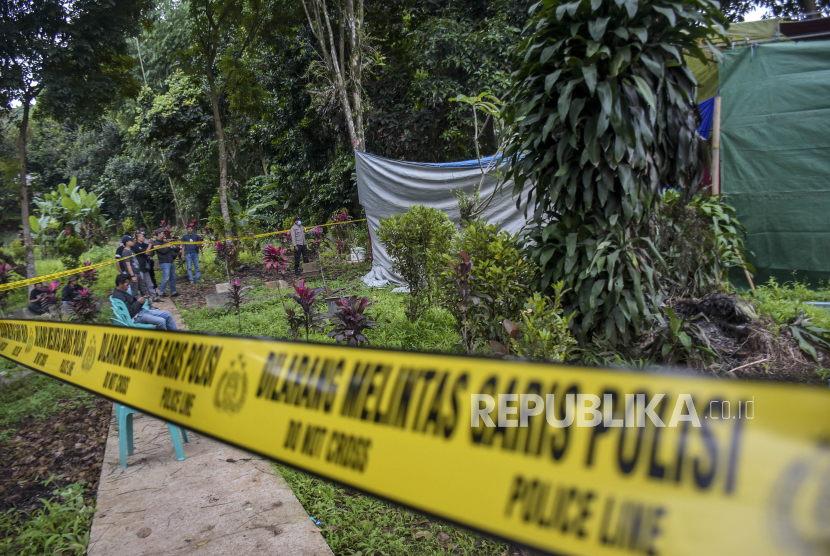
x: 61, y: 274
x: 752, y: 476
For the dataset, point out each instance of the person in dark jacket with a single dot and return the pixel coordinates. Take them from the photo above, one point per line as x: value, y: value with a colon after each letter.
x: 69, y: 294
x: 36, y: 298
x: 166, y: 257
x: 191, y: 254
x: 140, y: 249
x: 162, y: 320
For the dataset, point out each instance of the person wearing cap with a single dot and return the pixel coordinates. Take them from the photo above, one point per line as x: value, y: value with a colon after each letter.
x: 144, y: 277
x: 298, y: 240
x: 129, y: 263
x: 167, y: 257
x: 69, y: 294
x: 191, y: 254
x: 161, y: 320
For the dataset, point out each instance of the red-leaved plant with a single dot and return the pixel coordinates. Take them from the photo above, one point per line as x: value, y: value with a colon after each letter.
x: 50, y: 295
x: 85, y: 307
x: 306, y: 298
x: 275, y: 258
x: 87, y: 278
x: 237, y: 296
x: 350, y: 322
x: 469, y: 306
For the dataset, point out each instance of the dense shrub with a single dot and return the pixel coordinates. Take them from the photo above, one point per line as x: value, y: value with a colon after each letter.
x: 71, y: 250
x: 604, y: 113
x: 18, y: 250
x: 100, y: 254
x: 699, y: 242
x: 500, y: 271
x: 412, y: 240
x: 542, y: 333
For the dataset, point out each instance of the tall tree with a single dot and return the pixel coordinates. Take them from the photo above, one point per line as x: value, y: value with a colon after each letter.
x: 222, y: 31
x: 71, y: 57
x: 345, y: 57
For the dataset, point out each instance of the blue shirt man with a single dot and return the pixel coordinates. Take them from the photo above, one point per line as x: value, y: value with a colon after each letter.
x: 191, y: 255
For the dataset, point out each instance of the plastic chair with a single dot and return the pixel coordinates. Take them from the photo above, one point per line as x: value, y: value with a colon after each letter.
x: 124, y: 414
x: 122, y: 315
x: 124, y: 417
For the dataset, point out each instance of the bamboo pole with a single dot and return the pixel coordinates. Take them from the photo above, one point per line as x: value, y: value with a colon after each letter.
x: 746, y: 272
x: 716, y: 147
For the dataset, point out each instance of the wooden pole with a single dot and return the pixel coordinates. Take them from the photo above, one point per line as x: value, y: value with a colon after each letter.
x: 716, y: 147
x: 746, y: 272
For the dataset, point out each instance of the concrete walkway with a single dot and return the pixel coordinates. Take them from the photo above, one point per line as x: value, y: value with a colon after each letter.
x: 220, y: 500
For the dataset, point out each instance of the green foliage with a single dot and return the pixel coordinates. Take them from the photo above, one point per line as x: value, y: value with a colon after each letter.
x: 500, y: 271
x: 128, y: 226
x: 68, y: 208
x: 699, y: 241
x: 71, y: 250
x: 603, y: 107
x: 61, y: 526
x: 100, y: 254
x: 412, y: 239
x: 432, y: 51
x: 18, y: 250
x: 244, y: 222
x: 785, y: 304
x: 543, y: 332
x: 679, y: 340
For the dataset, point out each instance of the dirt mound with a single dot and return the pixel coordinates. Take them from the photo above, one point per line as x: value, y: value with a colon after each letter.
x: 747, y: 345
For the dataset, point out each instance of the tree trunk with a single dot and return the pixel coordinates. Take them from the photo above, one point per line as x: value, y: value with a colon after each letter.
x: 24, y: 191
x: 223, y: 153
x: 809, y: 7
x: 346, y: 76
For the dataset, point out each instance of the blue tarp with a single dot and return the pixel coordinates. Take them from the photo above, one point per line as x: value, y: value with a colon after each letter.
x: 464, y: 164
x: 707, y: 110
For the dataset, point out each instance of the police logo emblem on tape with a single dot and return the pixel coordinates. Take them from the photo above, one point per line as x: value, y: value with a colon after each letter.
x: 801, y: 505
x: 230, y: 392
x: 89, y: 356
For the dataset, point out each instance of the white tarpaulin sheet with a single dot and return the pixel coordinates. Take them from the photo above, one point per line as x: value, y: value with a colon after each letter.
x: 388, y: 187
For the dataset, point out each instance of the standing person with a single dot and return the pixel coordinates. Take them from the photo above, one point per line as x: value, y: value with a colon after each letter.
x: 118, y: 251
x: 69, y: 294
x: 162, y: 320
x: 140, y: 249
x: 131, y: 265
x: 167, y: 257
x: 191, y: 254
x: 298, y: 239
x: 36, y: 297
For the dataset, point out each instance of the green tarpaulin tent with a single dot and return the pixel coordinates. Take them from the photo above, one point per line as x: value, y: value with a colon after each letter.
x: 775, y: 149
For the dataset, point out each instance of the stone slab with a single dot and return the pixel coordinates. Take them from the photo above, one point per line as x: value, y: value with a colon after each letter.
x: 224, y: 287
x: 217, y: 300
x: 309, y: 267
x: 24, y: 313
x: 218, y: 501
x: 276, y: 283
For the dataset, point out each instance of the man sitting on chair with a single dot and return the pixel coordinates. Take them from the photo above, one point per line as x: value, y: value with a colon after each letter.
x: 162, y: 320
